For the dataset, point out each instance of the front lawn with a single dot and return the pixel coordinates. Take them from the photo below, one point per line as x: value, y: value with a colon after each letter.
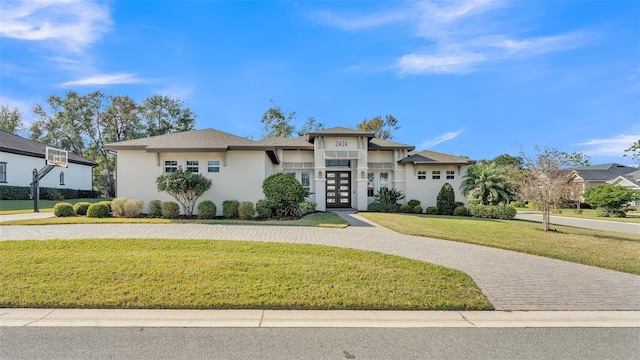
x: 26, y: 206
x: 610, y: 250
x: 210, y: 274
x: 318, y: 219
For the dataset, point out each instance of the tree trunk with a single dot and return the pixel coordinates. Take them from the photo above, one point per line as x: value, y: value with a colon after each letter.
x: 545, y: 217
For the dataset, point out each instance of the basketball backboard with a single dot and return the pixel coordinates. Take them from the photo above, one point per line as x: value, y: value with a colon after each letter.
x: 56, y: 157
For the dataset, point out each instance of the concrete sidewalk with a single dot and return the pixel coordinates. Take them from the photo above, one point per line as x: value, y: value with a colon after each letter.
x: 603, y: 225
x: 312, y: 318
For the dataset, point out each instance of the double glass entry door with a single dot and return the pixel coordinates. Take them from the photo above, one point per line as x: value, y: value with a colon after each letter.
x: 338, y: 189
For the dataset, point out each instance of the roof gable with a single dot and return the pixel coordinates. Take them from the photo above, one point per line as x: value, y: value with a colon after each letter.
x: 426, y: 157
x: 12, y: 143
x: 603, y: 172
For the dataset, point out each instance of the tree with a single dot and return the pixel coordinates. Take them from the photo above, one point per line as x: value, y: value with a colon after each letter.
x: 309, y: 126
x: 284, y: 194
x: 546, y: 181
x: 611, y: 199
x: 277, y: 123
x: 486, y: 181
x: 166, y: 115
x: 634, y: 152
x: 508, y: 160
x: 446, y: 200
x: 185, y: 187
x: 11, y: 119
x: 382, y: 128
x: 576, y: 159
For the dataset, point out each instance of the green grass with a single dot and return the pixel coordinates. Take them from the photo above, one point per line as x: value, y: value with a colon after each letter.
x: 209, y: 274
x: 610, y: 250
x: 26, y: 206
x: 316, y: 219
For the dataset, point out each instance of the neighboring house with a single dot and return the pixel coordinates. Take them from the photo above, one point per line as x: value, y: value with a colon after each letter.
x: 342, y: 168
x: 629, y: 180
x: 594, y: 175
x: 20, y: 156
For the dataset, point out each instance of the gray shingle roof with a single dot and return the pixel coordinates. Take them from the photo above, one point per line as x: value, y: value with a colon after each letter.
x: 12, y: 143
x: 432, y: 157
x: 376, y: 143
x: 196, y: 140
x: 287, y: 143
x: 603, y: 172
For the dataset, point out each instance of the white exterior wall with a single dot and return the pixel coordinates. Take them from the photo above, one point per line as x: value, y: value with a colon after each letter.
x: 20, y: 173
x: 240, y: 177
x: 427, y: 190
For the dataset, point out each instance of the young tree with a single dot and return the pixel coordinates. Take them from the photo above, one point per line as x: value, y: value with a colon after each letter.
x: 546, y: 181
x: 611, y: 199
x: 11, y: 119
x: 634, y: 152
x: 486, y: 181
x: 277, y: 123
x: 165, y: 115
x: 382, y: 128
x: 185, y: 187
x: 446, y: 200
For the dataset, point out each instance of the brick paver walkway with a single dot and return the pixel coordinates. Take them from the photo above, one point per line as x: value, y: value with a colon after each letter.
x: 510, y: 280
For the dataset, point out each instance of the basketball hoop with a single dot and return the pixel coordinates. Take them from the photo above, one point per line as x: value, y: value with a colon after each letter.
x: 57, y: 163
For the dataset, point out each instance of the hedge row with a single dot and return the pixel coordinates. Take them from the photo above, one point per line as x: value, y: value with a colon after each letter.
x: 503, y: 212
x: 22, y: 193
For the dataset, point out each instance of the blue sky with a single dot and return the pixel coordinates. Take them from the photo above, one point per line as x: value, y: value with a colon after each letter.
x: 474, y: 78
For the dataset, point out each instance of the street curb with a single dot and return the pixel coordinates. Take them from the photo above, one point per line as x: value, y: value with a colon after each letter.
x: 15, y: 317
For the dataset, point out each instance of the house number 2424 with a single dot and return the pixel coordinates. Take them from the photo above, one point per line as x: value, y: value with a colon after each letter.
x: 341, y: 144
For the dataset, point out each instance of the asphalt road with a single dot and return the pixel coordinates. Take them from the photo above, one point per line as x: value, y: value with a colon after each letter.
x: 585, y: 223
x: 321, y: 343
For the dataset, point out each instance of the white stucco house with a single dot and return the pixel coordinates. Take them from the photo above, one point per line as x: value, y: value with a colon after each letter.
x: 20, y: 156
x: 343, y: 168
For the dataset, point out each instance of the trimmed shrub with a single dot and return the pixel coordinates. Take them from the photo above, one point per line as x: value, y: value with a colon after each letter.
x: 446, y: 200
x: 413, y: 203
x: 106, y: 202
x: 155, y: 208
x: 81, y: 207
x: 518, y: 204
x: 501, y: 212
x: 262, y: 209
x: 230, y: 209
x: 170, y: 210
x: 117, y: 207
x: 377, y: 206
x: 460, y: 211
x: 133, y: 208
x: 474, y: 201
x: 52, y: 194
x: 406, y: 208
x: 207, y: 210
x: 284, y: 194
x: 98, y: 210
x: 432, y: 210
x: 22, y: 193
x: 417, y: 209
x: 246, y: 211
x: 63, y: 209
x: 306, y: 208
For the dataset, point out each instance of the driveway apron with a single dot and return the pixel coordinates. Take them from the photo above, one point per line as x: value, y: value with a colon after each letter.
x: 510, y: 280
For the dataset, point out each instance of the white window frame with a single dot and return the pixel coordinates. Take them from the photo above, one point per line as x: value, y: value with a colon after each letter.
x: 213, y: 166
x: 3, y: 172
x: 435, y: 175
x: 170, y: 166
x: 193, y: 166
x: 377, y: 183
x: 422, y: 174
x: 297, y: 174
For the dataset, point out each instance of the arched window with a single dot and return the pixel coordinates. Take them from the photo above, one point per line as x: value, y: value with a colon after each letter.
x: 61, y: 178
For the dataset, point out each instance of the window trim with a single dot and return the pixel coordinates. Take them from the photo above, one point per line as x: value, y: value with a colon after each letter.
x: 435, y: 175
x: 422, y: 174
x: 213, y: 166
x: 190, y: 165
x: 450, y: 174
x: 170, y: 164
x: 3, y: 172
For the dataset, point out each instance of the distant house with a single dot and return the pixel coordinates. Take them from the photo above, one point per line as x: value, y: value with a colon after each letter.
x: 613, y: 173
x: 20, y: 156
x: 341, y: 167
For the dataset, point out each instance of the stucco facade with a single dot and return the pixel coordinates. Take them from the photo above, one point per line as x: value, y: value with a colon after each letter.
x: 342, y: 168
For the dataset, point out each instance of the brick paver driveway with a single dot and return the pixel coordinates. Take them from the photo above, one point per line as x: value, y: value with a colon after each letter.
x: 510, y: 280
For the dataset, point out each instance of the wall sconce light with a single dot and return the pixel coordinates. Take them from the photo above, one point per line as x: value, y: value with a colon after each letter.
x: 319, y: 174
x: 363, y: 174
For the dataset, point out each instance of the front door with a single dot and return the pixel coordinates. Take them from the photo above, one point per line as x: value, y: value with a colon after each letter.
x: 338, y: 189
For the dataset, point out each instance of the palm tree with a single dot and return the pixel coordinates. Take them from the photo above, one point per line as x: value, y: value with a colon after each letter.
x: 488, y: 182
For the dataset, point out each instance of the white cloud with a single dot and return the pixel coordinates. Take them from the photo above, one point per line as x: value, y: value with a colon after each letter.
x: 613, y: 146
x: 106, y: 79
x: 421, y: 64
x: 361, y: 22
x: 76, y: 24
x: 440, y: 139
